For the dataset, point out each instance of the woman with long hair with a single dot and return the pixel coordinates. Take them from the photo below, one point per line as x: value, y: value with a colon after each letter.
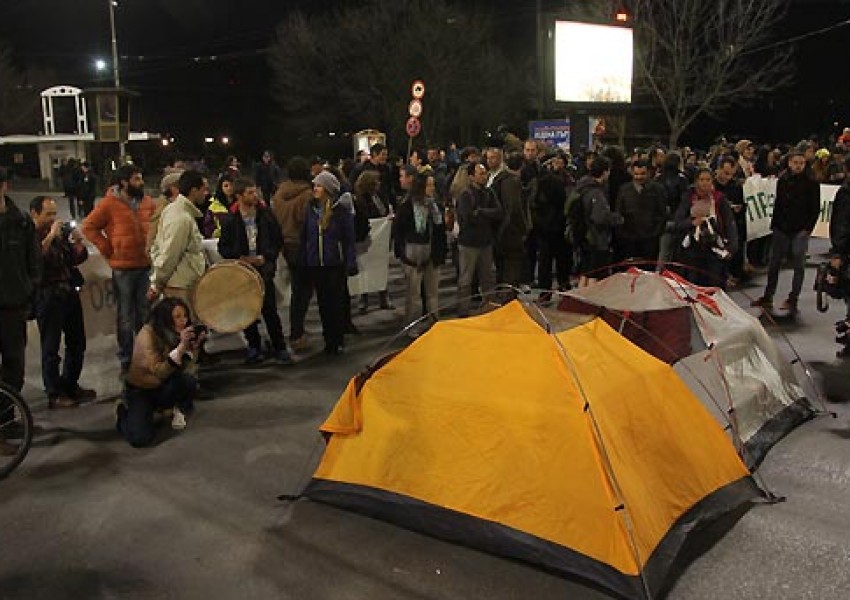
x: 219, y: 207
x: 709, y: 237
x: 328, y: 254
x: 160, y: 377
x: 369, y: 205
x: 420, y: 245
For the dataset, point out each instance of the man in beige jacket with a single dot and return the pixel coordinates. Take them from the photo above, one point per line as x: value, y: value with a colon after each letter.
x: 177, y: 252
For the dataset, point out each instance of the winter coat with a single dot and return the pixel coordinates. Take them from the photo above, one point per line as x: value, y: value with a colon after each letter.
x: 289, y: 206
x: 548, y: 212
x: 151, y: 364
x: 404, y: 231
x: 797, y: 205
x: 331, y: 247
x: 120, y: 231
x: 476, y: 230
x: 725, y: 220
x: 215, y: 213
x: 839, y: 224
x: 644, y: 213
x: 601, y: 220
x: 516, y: 223
x: 177, y: 253
x: 20, y: 258
x: 233, y: 242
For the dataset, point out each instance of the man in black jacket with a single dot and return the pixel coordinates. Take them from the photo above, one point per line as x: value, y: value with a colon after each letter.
x: 795, y: 213
x: 20, y: 266
x: 726, y: 184
x: 252, y: 235
x: 643, y: 204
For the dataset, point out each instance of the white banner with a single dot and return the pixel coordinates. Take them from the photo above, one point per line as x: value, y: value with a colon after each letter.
x: 373, y: 266
x: 760, y: 194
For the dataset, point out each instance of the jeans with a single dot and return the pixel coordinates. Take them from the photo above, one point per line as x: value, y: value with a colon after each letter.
x: 13, y: 342
x: 799, y: 245
x: 131, y: 286
x: 135, y: 420
x: 58, y: 311
x: 473, y: 261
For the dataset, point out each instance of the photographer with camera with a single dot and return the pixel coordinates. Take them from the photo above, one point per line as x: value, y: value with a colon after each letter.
x: 161, y: 374
x: 839, y: 264
x: 58, y: 309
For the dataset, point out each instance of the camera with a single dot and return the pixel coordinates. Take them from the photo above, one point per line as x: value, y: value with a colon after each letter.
x: 67, y: 228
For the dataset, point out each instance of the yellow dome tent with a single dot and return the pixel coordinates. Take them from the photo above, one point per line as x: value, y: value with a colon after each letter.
x: 577, y: 451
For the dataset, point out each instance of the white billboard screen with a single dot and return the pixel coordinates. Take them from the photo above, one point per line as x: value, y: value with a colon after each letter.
x: 593, y: 63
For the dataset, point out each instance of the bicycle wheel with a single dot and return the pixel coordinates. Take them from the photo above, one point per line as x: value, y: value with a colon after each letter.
x: 16, y: 429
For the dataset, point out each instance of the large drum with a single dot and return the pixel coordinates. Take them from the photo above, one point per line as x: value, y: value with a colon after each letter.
x: 229, y: 296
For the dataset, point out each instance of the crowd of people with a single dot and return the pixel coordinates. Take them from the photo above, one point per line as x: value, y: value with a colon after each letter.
x: 521, y: 215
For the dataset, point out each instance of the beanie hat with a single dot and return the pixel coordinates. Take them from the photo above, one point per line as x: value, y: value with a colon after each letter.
x: 822, y: 153
x: 327, y: 180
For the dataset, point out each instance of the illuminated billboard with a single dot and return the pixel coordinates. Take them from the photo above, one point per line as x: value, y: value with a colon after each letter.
x: 593, y: 63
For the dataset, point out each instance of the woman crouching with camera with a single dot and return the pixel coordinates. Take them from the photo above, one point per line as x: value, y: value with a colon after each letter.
x: 709, y: 236
x: 161, y: 376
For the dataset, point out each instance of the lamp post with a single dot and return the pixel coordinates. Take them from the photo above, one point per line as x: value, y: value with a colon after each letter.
x: 115, y: 75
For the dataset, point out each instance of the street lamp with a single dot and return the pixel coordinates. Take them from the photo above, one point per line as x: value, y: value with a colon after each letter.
x: 115, y: 76
x: 100, y: 64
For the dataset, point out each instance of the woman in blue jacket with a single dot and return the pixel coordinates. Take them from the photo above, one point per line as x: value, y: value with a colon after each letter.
x: 328, y: 254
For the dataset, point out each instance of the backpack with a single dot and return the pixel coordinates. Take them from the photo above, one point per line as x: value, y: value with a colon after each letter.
x: 577, y: 221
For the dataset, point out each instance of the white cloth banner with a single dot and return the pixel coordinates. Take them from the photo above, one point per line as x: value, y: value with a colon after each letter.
x: 373, y: 266
x: 760, y: 194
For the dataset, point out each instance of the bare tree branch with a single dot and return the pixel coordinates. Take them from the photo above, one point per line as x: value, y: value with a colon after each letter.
x: 696, y: 58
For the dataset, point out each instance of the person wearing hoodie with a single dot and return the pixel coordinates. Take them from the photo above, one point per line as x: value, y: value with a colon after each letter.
x: 289, y: 206
x: 118, y: 227
x: 595, y: 250
x: 328, y: 254
x: 795, y: 214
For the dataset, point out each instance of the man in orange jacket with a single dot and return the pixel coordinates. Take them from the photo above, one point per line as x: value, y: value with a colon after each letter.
x: 118, y: 226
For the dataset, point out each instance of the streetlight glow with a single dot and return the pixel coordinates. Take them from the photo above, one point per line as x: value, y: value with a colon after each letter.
x: 100, y: 64
x: 225, y: 140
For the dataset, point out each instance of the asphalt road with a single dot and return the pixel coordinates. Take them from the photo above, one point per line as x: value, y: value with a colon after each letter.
x: 197, y: 515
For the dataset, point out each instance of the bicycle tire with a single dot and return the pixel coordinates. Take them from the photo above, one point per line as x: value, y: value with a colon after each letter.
x: 15, y: 424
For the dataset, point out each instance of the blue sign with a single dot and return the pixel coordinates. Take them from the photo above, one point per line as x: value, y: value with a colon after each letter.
x: 551, y: 133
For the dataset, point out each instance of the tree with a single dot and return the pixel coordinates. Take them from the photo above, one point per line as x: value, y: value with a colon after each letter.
x: 19, y: 96
x: 702, y: 58
x: 353, y: 69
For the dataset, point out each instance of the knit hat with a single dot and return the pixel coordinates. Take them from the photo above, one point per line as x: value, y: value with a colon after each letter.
x: 327, y: 180
x: 170, y: 180
x: 822, y: 153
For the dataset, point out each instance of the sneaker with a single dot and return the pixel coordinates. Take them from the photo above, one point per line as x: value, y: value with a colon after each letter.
x: 178, y: 420
x: 62, y: 402
x: 282, y: 357
x: 763, y: 302
x: 333, y: 350
x: 254, y: 356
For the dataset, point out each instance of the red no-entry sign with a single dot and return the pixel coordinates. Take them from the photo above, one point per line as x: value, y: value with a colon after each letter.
x: 413, y: 127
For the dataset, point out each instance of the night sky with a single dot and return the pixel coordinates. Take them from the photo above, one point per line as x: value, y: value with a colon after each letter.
x: 166, y: 47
